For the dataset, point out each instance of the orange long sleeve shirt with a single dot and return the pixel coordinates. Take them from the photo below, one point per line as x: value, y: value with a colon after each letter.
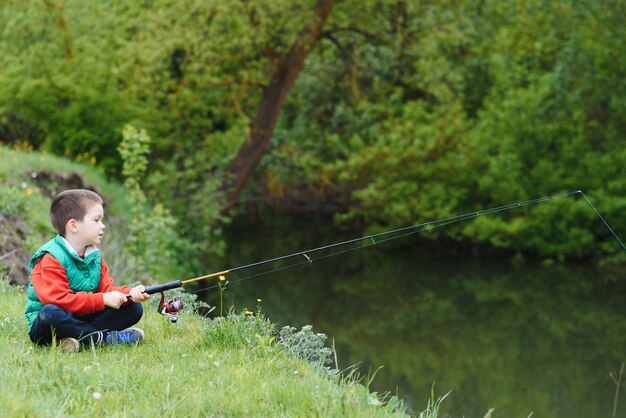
x: 52, y: 287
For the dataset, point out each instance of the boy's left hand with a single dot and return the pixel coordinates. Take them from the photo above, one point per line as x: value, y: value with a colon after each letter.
x: 137, y: 294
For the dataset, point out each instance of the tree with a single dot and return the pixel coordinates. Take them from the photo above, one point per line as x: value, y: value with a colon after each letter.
x: 284, y: 72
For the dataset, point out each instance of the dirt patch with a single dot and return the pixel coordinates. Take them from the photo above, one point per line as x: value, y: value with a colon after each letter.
x: 51, y: 184
x: 13, y: 257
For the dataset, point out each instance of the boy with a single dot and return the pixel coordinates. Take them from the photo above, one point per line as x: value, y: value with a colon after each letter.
x: 70, y: 294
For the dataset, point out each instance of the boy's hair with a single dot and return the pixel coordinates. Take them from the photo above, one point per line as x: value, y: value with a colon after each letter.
x: 71, y: 204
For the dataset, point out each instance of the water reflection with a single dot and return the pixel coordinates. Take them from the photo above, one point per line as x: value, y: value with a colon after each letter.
x: 518, y: 337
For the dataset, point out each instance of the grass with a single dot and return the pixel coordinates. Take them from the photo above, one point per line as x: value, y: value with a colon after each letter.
x: 230, y: 367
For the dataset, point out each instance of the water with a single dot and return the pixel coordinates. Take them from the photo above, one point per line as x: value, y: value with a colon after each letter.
x: 519, y: 336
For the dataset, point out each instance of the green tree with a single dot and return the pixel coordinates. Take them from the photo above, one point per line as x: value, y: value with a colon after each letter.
x: 475, y: 107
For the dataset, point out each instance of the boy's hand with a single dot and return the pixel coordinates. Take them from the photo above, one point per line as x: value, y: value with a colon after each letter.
x: 114, y: 299
x: 137, y: 295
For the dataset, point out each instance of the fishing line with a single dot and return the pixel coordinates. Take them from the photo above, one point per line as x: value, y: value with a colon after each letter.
x: 399, y: 233
x: 601, y: 217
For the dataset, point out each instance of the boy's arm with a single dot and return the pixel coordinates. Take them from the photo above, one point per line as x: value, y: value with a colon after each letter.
x: 52, y: 287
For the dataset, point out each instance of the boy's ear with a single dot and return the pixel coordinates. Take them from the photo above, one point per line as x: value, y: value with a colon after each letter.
x: 71, y: 226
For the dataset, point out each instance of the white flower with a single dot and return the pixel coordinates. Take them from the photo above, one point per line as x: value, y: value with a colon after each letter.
x: 97, y: 396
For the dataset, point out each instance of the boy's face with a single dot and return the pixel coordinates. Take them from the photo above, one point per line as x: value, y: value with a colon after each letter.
x: 91, y: 229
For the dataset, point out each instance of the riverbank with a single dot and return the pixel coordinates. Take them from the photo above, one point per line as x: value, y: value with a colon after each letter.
x: 197, y: 367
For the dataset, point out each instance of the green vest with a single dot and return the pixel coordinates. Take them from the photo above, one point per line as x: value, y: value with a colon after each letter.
x: 83, y: 275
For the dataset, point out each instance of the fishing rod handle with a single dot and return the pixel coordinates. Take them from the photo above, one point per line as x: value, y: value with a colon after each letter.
x: 162, y: 287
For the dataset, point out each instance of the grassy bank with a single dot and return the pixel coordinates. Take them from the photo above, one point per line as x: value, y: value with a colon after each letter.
x: 198, y: 367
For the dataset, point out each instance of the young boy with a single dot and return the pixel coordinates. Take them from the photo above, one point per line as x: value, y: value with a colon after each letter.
x: 70, y: 294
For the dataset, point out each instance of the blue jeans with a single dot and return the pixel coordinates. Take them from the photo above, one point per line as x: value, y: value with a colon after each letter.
x: 53, y: 321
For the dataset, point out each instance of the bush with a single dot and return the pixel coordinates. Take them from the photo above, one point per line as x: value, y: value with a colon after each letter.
x: 309, y: 346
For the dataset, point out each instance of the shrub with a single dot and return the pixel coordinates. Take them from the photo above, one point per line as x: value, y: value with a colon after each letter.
x: 309, y: 346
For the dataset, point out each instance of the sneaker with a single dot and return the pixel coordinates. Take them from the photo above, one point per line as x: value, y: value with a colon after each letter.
x: 69, y: 344
x: 127, y: 336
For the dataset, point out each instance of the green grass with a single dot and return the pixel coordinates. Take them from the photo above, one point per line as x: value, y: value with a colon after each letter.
x: 198, y: 367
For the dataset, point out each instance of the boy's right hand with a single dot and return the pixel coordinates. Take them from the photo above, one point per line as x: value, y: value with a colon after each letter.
x: 114, y: 299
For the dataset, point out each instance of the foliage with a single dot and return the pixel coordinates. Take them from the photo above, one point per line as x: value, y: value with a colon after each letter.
x: 307, y: 345
x: 477, y: 107
x: 152, y: 240
x: 74, y: 74
x: 404, y: 112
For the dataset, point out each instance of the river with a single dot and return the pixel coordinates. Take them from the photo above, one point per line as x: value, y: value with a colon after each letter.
x: 521, y: 336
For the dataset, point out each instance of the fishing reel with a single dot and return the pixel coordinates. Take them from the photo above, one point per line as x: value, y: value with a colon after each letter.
x: 170, y: 307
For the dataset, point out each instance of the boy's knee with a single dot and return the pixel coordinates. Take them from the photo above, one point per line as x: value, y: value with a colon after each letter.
x: 47, y: 314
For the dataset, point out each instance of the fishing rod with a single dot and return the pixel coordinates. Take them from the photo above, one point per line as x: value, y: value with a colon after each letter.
x: 175, y: 305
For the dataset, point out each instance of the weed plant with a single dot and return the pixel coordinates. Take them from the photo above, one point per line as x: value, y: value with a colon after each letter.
x: 309, y: 346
